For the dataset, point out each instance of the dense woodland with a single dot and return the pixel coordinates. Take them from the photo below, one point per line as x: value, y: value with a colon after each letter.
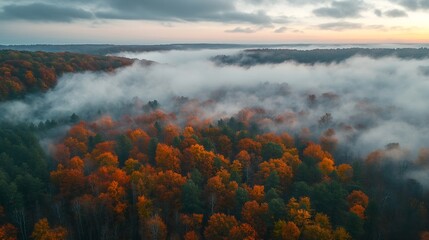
x: 253, y: 57
x: 145, y: 177
x: 28, y: 72
x: 151, y: 173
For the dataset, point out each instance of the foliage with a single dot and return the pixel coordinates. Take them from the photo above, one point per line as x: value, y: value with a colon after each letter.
x: 24, y: 72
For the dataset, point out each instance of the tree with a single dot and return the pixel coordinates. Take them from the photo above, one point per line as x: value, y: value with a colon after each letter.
x: 271, y: 151
x: 277, y: 208
x: 341, y: 234
x: 191, y: 235
x: 224, y: 145
x: 236, y: 170
x: 314, y: 153
x: 167, y: 158
x: 197, y: 157
x: 345, y: 172
x: 221, y: 192
x: 168, y: 189
x: 286, y: 230
x: 357, y: 197
x: 144, y: 209
x: 272, y: 181
x: 316, y: 232
x: 250, y: 146
x: 299, y: 211
x: 152, y: 147
x: 257, y: 215
x: 42, y: 231
x: 280, y: 167
x: 114, y: 200
x: 244, y: 158
x: 219, y: 226
x: 192, y: 222
x: 326, y: 166
x: 8, y: 232
x: 123, y: 148
x: 71, y: 181
x: 359, y: 210
x: 242, y: 232
x: 156, y: 228
x: 329, y: 198
x: 191, y: 198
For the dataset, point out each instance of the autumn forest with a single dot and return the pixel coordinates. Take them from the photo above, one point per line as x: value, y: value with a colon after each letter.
x: 176, y: 166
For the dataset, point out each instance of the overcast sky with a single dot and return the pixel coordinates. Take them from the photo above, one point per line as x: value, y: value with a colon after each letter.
x: 215, y: 21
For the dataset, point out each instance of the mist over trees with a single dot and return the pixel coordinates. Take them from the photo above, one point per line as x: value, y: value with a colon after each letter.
x: 181, y: 151
x: 254, y: 57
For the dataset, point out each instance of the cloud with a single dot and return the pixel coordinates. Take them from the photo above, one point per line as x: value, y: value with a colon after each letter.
x: 424, y: 70
x: 395, y: 13
x: 413, y: 4
x: 186, y: 10
x: 378, y: 12
x: 242, y: 30
x: 341, y: 9
x: 156, y: 10
x: 392, y: 13
x: 340, y: 26
x: 292, y: 2
x: 281, y: 30
x: 43, y: 12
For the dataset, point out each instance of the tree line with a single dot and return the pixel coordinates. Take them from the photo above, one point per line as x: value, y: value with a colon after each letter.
x: 23, y: 72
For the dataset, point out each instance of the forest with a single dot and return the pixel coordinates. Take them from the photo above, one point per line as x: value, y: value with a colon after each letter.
x: 24, y: 72
x: 167, y: 169
x: 146, y: 178
x: 253, y: 57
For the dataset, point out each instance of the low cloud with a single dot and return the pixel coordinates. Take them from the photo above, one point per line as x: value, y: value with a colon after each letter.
x: 242, y: 30
x: 392, y: 13
x: 341, y: 9
x: 227, y: 15
x: 43, y: 12
x: 395, y: 13
x: 340, y: 26
x: 378, y: 12
x: 413, y: 4
x: 281, y: 30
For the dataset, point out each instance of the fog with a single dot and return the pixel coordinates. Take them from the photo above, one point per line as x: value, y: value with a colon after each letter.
x: 372, y: 102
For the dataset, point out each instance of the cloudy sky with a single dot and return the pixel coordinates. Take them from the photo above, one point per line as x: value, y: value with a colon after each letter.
x: 215, y: 21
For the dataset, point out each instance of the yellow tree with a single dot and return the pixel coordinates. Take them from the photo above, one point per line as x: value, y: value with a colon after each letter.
x: 197, y: 157
x: 299, y: 211
x: 42, y: 231
x: 167, y: 158
x: 286, y: 230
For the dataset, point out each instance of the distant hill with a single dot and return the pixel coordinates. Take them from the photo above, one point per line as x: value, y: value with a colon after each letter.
x: 248, y: 58
x: 24, y: 72
x: 103, y: 49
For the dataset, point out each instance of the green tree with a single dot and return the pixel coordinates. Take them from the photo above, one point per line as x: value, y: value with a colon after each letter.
x: 191, y: 198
